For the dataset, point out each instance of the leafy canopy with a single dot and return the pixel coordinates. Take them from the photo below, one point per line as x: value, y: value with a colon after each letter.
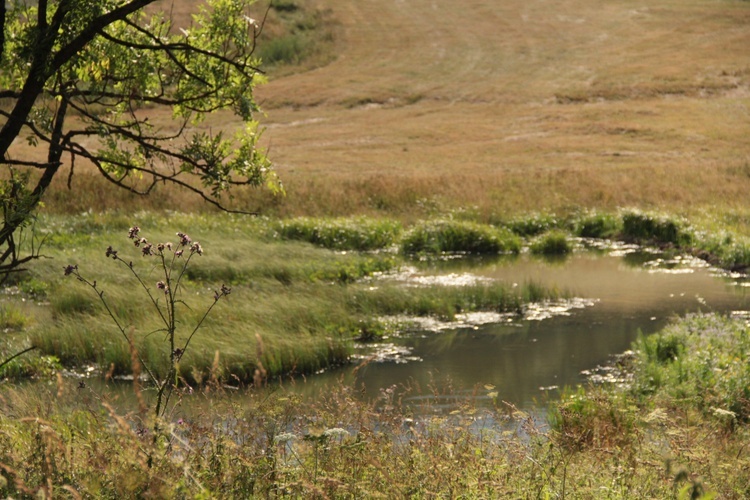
x: 80, y: 76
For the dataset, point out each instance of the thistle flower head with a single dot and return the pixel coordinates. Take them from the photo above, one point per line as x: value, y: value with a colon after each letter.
x: 70, y: 269
x: 133, y: 232
x: 184, y: 239
x: 196, y: 248
x: 111, y: 253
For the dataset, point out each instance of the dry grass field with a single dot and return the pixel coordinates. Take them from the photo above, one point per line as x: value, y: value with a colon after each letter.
x: 506, y: 107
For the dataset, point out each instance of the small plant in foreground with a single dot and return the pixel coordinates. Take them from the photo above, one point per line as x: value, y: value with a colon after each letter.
x: 172, y: 261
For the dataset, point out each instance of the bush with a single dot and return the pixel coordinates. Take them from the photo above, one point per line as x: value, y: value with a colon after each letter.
x: 456, y: 236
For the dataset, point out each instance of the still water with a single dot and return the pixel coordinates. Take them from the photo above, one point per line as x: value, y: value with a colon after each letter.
x: 525, y: 360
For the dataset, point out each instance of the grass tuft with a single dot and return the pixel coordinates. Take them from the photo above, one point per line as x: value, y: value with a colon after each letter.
x: 342, y: 234
x: 552, y: 243
x: 653, y: 229
x: 448, y: 236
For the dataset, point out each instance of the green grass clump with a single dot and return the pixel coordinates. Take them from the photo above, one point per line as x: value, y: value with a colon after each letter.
x: 700, y: 362
x: 552, y: 243
x: 450, y: 236
x: 342, y: 234
x: 445, y: 302
x: 644, y: 228
x: 535, y: 224
x: 12, y: 318
x: 597, y: 225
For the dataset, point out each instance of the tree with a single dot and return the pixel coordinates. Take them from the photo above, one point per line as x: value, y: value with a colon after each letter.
x: 78, y: 75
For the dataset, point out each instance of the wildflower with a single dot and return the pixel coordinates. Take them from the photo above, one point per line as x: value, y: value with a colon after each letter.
x: 160, y: 247
x: 146, y: 250
x: 178, y: 253
x: 196, y: 248
x: 225, y: 290
x: 140, y: 241
x: 133, y: 232
x: 70, y: 270
x: 162, y: 286
x: 284, y: 437
x: 184, y: 239
x: 336, y: 432
x: 111, y: 253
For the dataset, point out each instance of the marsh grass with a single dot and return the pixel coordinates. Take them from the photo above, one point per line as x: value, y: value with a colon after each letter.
x: 445, y: 302
x: 597, y: 225
x: 655, y: 229
x: 555, y: 242
x: 448, y: 236
x: 73, y: 439
x: 12, y: 318
x: 295, y: 308
x: 342, y: 234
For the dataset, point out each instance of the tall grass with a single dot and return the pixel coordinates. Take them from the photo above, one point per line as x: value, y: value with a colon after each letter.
x: 655, y: 229
x: 552, y: 243
x: 342, y: 234
x: 458, y: 236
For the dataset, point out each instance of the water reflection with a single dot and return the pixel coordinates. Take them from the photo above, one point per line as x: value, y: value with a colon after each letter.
x: 635, y: 292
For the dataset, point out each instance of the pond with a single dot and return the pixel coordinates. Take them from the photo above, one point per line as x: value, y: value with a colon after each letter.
x: 622, y: 291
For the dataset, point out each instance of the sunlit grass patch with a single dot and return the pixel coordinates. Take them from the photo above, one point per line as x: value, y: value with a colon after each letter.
x: 433, y: 237
x: 555, y: 242
x: 12, y: 318
x: 597, y: 225
x: 342, y: 234
x: 534, y: 224
x: 656, y: 229
x: 445, y: 302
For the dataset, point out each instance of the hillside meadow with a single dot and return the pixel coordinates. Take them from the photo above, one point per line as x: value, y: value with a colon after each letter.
x: 403, y: 130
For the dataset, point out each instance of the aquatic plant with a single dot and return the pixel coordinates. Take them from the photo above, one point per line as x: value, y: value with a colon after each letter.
x: 440, y: 236
x: 552, y: 243
x: 653, y: 229
x: 596, y: 225
x: 341, y: 234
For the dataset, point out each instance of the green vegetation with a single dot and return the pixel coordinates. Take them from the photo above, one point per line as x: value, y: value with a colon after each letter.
x: 649, y: 229
x: 678, y: 429
x: 552, y: 243
x: 295, y: 33
x: 294, y: 308
x: 458, y: 236
x: 342, y: 234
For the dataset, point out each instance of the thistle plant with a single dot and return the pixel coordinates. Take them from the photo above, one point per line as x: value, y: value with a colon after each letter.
x: 164, y: 296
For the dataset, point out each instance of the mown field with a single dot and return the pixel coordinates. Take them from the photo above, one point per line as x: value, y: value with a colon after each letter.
x: 402, y: 128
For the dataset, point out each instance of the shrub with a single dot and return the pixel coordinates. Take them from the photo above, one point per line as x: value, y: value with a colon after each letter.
x: 456, y: 236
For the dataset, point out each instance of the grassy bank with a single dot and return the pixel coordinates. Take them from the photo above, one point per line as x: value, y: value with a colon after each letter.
x: 301, y: 292
x: 678, y: 429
